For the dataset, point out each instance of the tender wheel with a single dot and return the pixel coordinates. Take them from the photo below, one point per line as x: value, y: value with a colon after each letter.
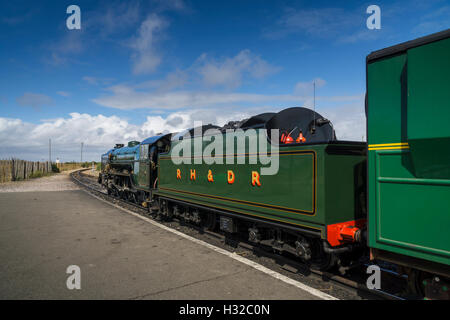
x: 321, y: 260
x: 211, y: 221
x: 303, y: 249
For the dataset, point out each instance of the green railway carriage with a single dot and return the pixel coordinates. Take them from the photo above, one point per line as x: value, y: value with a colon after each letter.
x: 408, y: 109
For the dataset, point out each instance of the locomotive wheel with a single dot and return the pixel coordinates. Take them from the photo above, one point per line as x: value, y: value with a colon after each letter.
x: 131, y: 197
x: 164, y: 213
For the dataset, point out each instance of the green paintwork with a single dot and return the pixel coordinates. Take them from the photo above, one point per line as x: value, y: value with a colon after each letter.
x: 429, y: 109
x: 409, y: 189
x: 319, y: 185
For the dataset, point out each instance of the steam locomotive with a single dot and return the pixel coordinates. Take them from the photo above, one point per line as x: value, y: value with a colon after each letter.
x: 331, y: 201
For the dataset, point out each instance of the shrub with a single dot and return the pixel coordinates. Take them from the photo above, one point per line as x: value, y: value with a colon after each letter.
x: 87, y: 164
x: 36, y: 174
x: 39, y: 174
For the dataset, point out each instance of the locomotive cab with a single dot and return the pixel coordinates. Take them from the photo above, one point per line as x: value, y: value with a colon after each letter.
x: 149, y: 149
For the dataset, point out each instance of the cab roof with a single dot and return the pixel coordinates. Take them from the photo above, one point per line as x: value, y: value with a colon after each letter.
x: 402, y: 47
x: 155, y: 139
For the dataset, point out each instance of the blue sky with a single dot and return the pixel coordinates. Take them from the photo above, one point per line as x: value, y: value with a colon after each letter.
x: 140, y: 67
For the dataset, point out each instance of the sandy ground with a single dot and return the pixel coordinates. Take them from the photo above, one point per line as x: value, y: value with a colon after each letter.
x: 92, y: 173
x: 56, y: 182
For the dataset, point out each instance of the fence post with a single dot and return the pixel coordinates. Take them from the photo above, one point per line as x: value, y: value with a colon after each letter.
x: 12, y: 169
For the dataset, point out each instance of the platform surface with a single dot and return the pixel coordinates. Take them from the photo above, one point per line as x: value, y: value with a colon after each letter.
x: 120, y: 256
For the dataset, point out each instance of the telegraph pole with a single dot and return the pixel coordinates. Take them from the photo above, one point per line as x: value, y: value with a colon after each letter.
x: 50, y: 150
x: 81, y: 152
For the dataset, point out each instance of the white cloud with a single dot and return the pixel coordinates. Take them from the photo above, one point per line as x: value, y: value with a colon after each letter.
x: 99, y: 133
x: 349, y: 120
x: 364, y: 34
x: 63, y: 93
x: 230, y: 71
x: 97, y: 80
x: 434, y: 21
x: 116, y: 17
x: 145, y: 57
x: 158, y: 95
x: 35, y: 100
x: 64, y: 49
x: 344, y: 26
x: 113, y: 24
x: 125, y: 97
x: 322, y: 22
x: 306, y: 88
x: 97, y: 25
x: 30, y: 141
x: 173, y: 80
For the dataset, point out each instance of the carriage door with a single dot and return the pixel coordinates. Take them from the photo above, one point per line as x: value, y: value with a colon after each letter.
x: 144, y: 164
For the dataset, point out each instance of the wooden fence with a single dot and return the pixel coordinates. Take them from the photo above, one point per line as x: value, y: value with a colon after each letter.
x: 13, y: 170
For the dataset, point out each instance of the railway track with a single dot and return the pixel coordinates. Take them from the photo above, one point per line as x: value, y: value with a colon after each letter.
x: 353, y: 281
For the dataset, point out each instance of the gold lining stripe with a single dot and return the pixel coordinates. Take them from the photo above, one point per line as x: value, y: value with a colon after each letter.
x: 235, y: 210
x: 389, y: 146
x: 280, y: 153
x: 244, y: 202
x: 311, y: 213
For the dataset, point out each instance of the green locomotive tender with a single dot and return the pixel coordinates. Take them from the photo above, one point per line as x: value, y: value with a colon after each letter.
x: 330, y: 200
